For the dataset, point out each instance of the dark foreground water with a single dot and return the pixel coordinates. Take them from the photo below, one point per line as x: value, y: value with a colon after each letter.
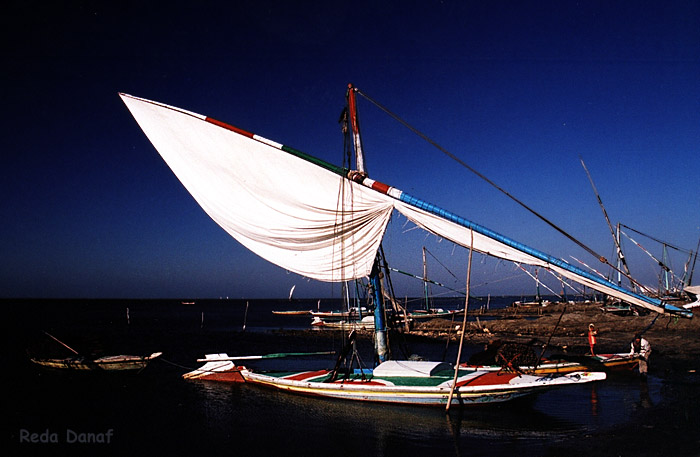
x: 156, y: 412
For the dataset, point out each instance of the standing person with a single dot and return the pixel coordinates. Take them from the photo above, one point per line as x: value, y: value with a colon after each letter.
x: 641, y: 348
x: 592, y: 332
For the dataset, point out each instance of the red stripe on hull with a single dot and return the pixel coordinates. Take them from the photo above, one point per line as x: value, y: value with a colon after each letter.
x: 488, y: 379
x: 307, y: 375
x: 228, y: 376
x: 229, y: 127
x: 233, y: 376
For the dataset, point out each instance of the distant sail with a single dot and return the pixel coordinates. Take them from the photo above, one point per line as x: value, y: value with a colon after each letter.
x: 291, y: 291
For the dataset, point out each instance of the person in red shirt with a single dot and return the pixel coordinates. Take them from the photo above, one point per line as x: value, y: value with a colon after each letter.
x: 592, y: 332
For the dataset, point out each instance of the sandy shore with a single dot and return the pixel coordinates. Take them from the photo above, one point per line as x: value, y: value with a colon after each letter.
x: 675, y: 341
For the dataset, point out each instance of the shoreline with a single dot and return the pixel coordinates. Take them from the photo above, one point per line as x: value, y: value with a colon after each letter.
x: 675, y: 341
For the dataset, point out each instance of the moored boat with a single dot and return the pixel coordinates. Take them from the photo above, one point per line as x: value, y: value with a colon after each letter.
x: 620, y: 362
x: 422, y: 314
x: 326, y: 223
x: 293, y: 312
x: 366, y: 323
x: 354, y: 312
x: 410, y: 382
x: 106, y: 363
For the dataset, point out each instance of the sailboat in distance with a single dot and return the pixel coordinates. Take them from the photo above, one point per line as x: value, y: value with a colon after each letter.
x: 326, y: 222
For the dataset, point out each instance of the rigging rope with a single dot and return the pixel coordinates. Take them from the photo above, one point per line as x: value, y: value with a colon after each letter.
x: 658, y: 241
x: 438, y: 261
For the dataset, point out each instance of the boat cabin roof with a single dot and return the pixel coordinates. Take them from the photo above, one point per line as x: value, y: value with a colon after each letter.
x: 410, y: 368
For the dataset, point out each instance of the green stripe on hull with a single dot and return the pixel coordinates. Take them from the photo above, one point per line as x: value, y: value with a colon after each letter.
x: 399, y: 381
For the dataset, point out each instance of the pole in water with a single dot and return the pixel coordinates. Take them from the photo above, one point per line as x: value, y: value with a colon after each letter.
x: 464, y: 325
x: 61, y: 343
x: 201, y: 323
x: 128, y: 320
x: 245, y: 316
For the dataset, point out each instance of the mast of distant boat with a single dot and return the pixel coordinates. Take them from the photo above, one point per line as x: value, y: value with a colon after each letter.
x: 425, y: 283
x: 620, y: 254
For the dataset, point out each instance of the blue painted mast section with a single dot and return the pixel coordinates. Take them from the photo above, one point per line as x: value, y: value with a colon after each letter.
x: 447, y: 215
x: 381, y: 346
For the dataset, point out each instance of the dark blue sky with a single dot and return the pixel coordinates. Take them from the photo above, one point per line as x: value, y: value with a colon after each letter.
x: 518, y: 90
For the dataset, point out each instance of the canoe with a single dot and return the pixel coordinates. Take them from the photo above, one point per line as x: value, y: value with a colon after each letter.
x: 107, y: 363
x: 568, y: 364
x: 293, y: 313
x: 433, y: 313
x: 366, y: 323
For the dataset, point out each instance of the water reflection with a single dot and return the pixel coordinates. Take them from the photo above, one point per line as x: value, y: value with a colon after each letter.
x: 594, y: 401
x: 241, y: 412
x: 645, y: 400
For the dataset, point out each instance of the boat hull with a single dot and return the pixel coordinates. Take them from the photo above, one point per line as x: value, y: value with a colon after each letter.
x: 293, y: 313
x: 109, y: 363
x: 433, y: 389
x: 425, y: 315
x: 603, y: 362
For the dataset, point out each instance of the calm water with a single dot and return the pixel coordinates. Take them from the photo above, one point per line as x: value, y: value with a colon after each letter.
x: 156, y: 412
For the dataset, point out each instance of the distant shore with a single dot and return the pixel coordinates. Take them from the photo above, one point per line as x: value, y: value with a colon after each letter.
x: 675, y: 341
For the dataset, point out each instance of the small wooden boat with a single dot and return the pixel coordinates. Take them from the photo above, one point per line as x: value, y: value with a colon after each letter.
x: 366, y: 323
x: 107, y: 363
x: 353, y: 313
x: 617, y: 308
x: 293, y: 312
x: 567, y: 364
x: 420, y: 314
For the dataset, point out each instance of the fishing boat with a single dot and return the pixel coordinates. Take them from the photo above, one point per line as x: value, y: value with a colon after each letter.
x: 81, y: 362
x: 326, y: 223
x: 353, y: 313
x: 621, y: 362
x: 300, y: 312
x: 431, y: 313
x: 617, y: 307
x: 296, y: 312
x: 365, y: 323
x: 410, y: 382
x: 693, y: 293
x: 353, y: 322
x: 107, y: 363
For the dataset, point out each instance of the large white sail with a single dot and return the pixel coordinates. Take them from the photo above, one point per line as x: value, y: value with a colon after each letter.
x: 462, y: 235
x: 296, y: 213
x: 288, y: 211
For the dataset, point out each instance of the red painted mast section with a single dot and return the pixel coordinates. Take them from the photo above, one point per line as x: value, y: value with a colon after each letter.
x: 354, y: 123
